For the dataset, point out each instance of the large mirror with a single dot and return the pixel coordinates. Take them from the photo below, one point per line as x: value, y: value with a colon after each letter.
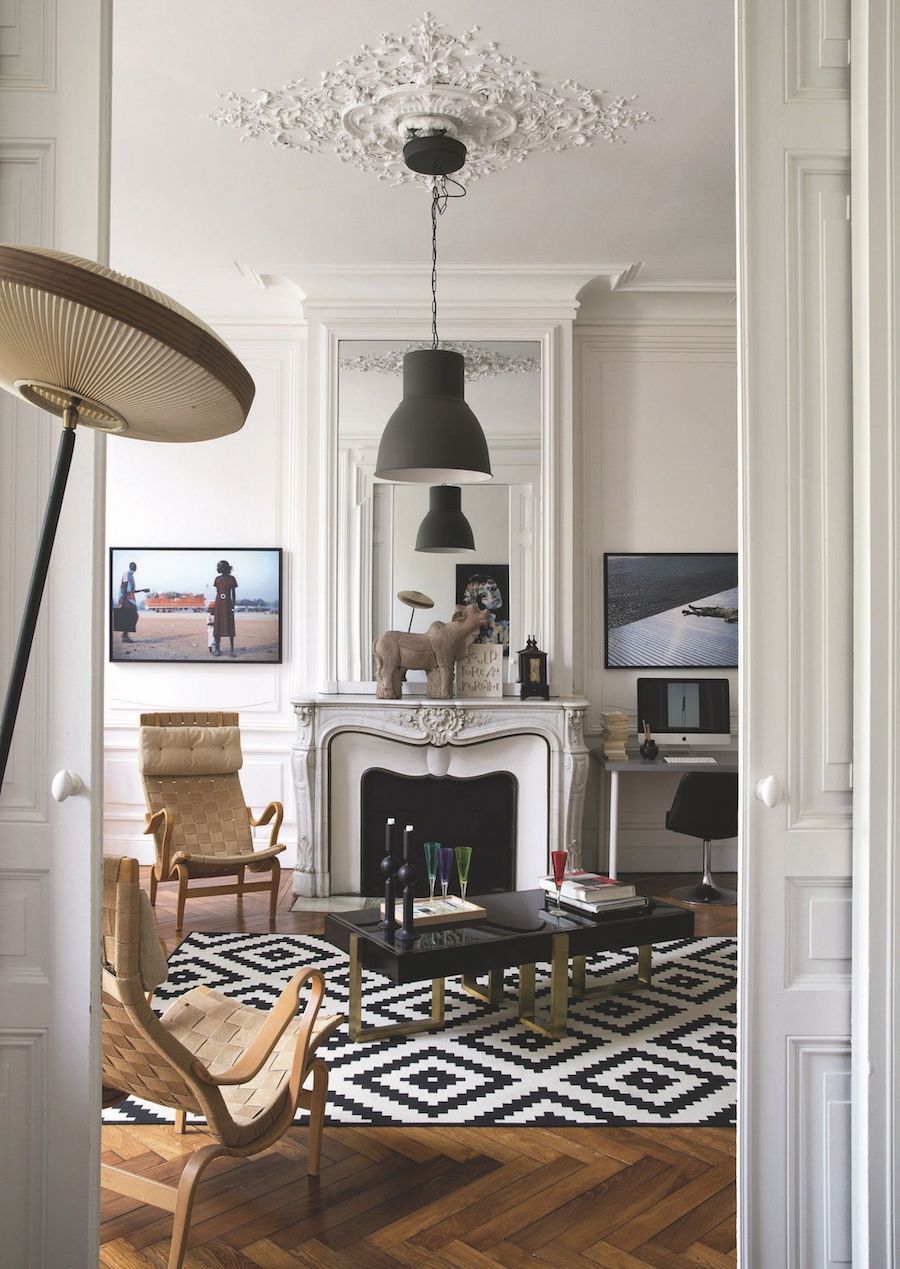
x: 379, y: 521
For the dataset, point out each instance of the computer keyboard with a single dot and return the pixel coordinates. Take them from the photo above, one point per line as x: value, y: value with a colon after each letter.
x: 683, y: 762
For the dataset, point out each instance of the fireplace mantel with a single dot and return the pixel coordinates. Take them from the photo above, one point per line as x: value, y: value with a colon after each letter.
x: 438, y: 728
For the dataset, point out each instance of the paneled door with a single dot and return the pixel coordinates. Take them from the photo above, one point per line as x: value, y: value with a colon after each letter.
x: 796, y: 623
x: 54, y: 87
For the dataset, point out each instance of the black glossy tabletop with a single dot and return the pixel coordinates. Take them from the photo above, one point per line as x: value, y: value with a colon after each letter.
x: 518, y: 930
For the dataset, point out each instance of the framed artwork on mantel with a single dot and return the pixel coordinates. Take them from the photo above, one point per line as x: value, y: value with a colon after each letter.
x: 487, y: 586
x: 174, y: 604
x: 669, y: 610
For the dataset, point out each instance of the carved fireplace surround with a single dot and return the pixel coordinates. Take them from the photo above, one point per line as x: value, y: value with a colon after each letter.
x: 339, y: 737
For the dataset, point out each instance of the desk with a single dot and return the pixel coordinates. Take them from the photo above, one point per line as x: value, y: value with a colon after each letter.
x: 726, y: 760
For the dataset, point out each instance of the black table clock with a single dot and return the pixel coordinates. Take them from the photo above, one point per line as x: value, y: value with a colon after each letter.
x: 533, y: 672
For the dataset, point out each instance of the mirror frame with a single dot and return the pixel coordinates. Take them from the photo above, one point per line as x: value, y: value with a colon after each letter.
x: 556, y: 566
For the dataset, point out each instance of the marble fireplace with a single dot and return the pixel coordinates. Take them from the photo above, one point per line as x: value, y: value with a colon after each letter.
x: 342, y: 739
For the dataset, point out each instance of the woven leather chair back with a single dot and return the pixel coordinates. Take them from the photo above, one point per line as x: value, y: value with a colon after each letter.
x: 139, y: 1056
x: 191, y: 769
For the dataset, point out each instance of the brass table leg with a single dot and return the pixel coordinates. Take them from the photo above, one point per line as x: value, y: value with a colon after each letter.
x: 641, y: 979
x: 494, y: 993
x: 555, y: 1026
x: 360, y: 1033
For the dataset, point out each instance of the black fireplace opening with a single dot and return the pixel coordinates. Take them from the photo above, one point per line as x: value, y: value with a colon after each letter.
x: 476, y: 811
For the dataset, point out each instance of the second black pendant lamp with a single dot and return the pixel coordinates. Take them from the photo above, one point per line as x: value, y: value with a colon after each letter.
x: 433, y: 437
x: 445, y: 530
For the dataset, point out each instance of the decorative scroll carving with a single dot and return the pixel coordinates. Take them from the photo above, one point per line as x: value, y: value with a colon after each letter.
x: 439, y: 723
x: 481, y: 362
x: 370, y: 105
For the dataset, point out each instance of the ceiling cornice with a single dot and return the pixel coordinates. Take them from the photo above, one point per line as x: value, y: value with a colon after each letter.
x: 483, y: 285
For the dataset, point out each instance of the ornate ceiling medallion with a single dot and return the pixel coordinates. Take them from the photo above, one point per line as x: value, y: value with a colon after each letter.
x: 481, y: 363
x: 424, y: 82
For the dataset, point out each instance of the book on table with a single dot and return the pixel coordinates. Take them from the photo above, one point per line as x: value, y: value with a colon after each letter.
x: 439, y: 911
x: 589, y: 887
x: 636, y: 903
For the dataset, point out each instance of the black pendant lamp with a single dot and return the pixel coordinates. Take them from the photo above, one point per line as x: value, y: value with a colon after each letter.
x: 433, y: 438
x: 445, y: 530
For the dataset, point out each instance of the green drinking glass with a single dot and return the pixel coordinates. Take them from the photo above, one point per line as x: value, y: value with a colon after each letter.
x: 432, y: 850
x: 463, y: 860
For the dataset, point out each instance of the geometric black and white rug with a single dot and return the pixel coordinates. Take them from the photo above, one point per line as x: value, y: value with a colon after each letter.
x: 662, y: 1055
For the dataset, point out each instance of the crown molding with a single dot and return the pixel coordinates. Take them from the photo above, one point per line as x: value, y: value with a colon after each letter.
x: 404, y: 288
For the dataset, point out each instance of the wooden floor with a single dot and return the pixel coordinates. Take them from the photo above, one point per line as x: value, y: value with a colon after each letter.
x: 428, y: 1197
x: 671, y: 638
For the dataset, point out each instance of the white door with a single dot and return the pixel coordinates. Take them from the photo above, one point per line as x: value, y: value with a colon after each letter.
x: 53, y: 192
x: 796, y: 658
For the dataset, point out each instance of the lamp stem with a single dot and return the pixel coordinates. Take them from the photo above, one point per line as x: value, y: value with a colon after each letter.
x: 36, y: 585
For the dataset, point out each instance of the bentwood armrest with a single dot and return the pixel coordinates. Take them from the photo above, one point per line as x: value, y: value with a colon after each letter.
x: 160, y: 825
x: 279, y: 1017
x: 273, y: 809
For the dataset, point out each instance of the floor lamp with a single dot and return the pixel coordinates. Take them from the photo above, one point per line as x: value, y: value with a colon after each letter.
x: 103, y: 350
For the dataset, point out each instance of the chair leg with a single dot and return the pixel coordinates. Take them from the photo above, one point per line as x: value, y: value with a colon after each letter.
x: 240, y: 882
x: 706, y: 891
x: 180, y: 1121
x: 182, y: 872
x: 317, y: 1117
x: 154, y: 882
x: 273, y: 894
x: 184, y: 1202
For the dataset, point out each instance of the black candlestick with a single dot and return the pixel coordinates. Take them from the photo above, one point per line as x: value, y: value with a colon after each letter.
x: 406, y: 839
x: 389, y: 867
x: 406, y: 877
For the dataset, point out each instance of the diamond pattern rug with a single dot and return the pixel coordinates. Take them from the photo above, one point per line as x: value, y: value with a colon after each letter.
x: 662, y: 1055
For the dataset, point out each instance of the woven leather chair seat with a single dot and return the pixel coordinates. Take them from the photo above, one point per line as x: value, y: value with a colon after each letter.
x: 217, y: 1030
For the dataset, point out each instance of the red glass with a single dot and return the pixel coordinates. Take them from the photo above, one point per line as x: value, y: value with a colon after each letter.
x: 558, y: 860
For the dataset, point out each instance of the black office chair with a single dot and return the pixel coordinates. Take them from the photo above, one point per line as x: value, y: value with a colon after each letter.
x: 705, y: 806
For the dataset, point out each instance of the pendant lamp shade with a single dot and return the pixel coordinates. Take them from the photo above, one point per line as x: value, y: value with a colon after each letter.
x: 445, y: 530
x: 136, y: 362
x: 433, y: 438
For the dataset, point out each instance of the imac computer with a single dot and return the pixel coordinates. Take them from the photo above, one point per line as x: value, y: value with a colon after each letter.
x: 684, y: 711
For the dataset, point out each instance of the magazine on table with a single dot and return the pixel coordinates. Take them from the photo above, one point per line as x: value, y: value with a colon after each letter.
x: 636, y: 903
x: 589, y: 887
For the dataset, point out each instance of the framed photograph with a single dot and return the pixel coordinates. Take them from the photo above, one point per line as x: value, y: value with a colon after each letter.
x: 671, y: 611
x: 487, y: 585
x: 216, y: 604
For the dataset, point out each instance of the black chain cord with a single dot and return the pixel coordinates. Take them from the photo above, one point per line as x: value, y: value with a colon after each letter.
x: 440, y: 195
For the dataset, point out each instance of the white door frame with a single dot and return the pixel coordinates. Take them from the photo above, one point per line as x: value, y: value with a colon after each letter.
x: 54, y: 165
x: 876, y: 866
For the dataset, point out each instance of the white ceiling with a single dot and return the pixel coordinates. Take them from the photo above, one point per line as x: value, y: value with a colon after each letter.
x: 191, y: 201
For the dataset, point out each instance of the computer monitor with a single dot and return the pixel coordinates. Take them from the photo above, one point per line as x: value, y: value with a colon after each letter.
x: 684, y: 711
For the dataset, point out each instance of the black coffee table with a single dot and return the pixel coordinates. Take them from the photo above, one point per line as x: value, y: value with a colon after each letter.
x: 518, y: 931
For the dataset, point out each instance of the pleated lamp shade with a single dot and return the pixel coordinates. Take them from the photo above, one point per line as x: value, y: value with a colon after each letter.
x: 134, y: 360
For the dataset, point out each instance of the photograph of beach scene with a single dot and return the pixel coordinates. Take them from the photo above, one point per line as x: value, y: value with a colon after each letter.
x: 217, y: 605
x: 671, y: 611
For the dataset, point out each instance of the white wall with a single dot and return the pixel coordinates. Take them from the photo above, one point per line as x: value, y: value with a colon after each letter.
x: 239, y: 491
x: 656, y: 406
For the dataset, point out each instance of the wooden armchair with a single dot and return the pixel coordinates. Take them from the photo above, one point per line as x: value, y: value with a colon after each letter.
x: 241, y: 1068
x: 196, y: 810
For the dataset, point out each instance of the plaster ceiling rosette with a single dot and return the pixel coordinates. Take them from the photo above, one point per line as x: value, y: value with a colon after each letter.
x: 481, y: 363
x: 430, y: 81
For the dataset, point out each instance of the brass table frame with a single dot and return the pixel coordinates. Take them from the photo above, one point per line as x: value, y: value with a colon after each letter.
x: 641, y: 979
x: 361, y: 1033
x: 554, y: 1026
x: 494, y: 992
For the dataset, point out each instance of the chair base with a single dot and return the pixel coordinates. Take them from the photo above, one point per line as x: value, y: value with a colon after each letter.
x: 704, y: 894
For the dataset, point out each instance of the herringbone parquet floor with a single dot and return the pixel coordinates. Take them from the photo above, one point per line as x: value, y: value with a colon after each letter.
x: 427, y: 1197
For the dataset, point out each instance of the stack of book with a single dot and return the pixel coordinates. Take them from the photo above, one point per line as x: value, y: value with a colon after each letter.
x: 615, y: 730
x: 594, y: 894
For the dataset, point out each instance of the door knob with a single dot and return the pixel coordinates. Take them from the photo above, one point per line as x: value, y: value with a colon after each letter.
x: 768, y: 790
x: 65, y: 785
